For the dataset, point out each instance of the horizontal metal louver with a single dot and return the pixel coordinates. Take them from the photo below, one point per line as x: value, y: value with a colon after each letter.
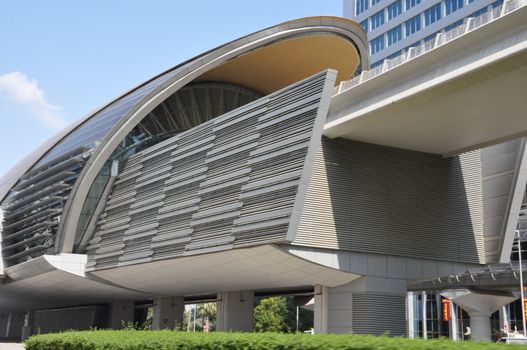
x: 377, y: 199
x: 228, y: 182
x: 33, y: 208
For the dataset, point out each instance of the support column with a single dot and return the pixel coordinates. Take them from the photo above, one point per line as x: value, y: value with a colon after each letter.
x: 424, y: 305
x: 121, y: 314
x: 453, y: 322
x: 479, y: 307
x: 504, y: 318
x: 479, y: 326
x: 168, y: 313
x: 28, y: 325
x: 235, y: 311
x: 410, y: 316
x: 320, y: 321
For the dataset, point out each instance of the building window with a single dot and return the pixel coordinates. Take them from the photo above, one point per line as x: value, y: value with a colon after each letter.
x: 377, y: 19
x: 394, y: 55
x: 411, y: 3
x: 395, y: 35
x: 395, y: 9
x: 376, y: 44
x: 452, y: 6
x: 361, y: 6
x: 453, y: 25
x: 497, y: 3
x: 479, y: 12
x: 373, y: 2
x: 432, y: 14
x: 376, y: 64
x: 430, y: 37
x: 364, y: 25
x: 413, y: 25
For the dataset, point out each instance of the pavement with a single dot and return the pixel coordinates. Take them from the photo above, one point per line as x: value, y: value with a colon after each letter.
x: 12, y: 346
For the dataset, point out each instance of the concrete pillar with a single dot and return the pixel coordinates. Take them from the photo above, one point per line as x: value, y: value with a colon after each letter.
x: 479, y: 326
x: 410, y: 315
x: 424, y: 305
x: 27, y: 325
x: 235, y: 311
x: 168, y: 313
x: 320, y: 320
x: 453, y: 322
x: 479, y: 307
x: 121, y: 314
x: 504, y: 318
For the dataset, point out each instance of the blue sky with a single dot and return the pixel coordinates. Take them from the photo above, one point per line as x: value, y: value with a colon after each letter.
x: 60, y: 59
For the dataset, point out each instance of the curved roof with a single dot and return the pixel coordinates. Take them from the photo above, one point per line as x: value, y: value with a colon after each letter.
x: 263, y: 61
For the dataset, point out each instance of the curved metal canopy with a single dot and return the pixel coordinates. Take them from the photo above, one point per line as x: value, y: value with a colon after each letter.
x: 264, y: 61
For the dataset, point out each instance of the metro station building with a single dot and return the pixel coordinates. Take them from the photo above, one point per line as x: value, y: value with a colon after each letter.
x: 273, y: 164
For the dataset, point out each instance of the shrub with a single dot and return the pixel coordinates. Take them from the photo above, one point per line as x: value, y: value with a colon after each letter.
x: 168, y: 340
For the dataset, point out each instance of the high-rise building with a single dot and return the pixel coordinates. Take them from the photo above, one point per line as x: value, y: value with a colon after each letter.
x: 393, y: 27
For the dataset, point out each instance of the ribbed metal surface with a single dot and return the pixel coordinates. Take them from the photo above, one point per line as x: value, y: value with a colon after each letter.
x: 377, y: 313
x: 377, y: 199
x: 34, y: 206
x: 501, y: 168
x: 228, y: 182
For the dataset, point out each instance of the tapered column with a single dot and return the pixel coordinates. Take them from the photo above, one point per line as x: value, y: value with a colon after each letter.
x: 168, y: 313
x: 235, y: 311
x: 479, y: 307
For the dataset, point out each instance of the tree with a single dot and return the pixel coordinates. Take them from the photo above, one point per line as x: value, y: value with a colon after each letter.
x: 271, y: 315
x: 206, y: 311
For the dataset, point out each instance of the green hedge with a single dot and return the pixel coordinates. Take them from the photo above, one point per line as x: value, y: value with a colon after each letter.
x: 165, y: 340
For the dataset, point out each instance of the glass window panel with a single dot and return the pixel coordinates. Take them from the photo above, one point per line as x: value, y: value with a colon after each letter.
x: 361, y: 6
x: 413, y: 25
x: 452, y: 6
x: 364, y: 25
x: 377, y: 19
x: 432, y: 14
x: 395, y: 35
x: 377, y: 44
x: 395, y: 9
x: 411, y: 3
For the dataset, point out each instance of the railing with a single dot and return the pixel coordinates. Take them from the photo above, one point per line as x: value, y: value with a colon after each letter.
x: 441, y: 39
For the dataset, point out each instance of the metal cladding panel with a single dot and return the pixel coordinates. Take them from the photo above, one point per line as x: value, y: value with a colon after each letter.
x: 233, y: 181
x: 378, y: 313
x: 384, y: 200
x: 501, y: 171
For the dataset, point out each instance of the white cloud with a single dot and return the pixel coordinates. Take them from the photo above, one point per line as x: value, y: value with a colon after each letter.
x: 19, y: 89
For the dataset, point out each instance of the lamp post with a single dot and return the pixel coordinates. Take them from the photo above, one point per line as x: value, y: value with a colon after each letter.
x: 521, y: 282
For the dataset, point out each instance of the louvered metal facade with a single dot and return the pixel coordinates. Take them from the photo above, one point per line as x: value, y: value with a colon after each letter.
x: 376, y: 199
x: 230, y: 182
x: 34, y: 207
x: 378, y: 313
x: 32, y: 212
